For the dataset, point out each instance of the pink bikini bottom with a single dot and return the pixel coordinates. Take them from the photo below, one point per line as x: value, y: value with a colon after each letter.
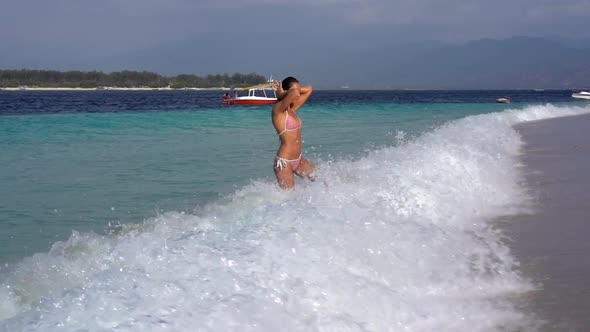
x: 282, y: 162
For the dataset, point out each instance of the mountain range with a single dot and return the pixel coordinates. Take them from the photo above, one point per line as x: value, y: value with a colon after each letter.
x: 513, y: 63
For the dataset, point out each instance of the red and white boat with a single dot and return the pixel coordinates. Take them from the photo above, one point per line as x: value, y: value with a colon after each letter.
x: 261, y: 94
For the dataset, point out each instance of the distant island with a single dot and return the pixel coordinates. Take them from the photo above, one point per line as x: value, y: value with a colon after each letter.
x: 27, y: 79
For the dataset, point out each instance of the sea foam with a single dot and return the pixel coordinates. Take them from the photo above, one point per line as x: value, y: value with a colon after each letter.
x: 400, y: 239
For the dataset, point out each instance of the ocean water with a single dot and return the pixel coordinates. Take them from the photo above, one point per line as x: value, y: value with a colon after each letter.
x: 158, y: 211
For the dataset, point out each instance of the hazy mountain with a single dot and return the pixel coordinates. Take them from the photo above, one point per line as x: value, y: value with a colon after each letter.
x: 519, y: 62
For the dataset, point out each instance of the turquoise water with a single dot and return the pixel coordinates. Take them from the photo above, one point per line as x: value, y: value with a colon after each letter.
x: 83, y: 172
x: 170, y: 219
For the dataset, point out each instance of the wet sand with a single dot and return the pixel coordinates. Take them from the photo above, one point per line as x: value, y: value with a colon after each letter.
x: 553, y: 243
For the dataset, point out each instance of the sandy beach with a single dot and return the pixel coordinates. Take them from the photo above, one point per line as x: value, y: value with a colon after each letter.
x: 552, y: 244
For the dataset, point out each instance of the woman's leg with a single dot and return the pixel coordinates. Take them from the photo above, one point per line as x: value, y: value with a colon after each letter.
x: 305, y: 169
x: 285, y: 176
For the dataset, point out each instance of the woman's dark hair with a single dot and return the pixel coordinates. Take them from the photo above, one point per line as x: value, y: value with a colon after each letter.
x: 287, y: 82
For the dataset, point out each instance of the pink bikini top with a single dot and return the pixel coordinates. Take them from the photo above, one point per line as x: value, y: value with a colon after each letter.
x: 291, y: 124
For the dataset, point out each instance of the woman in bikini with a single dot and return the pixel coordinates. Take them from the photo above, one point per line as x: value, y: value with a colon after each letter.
x: 288, y: 161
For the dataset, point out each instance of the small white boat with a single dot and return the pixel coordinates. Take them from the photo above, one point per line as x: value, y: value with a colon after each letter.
x: 581, y: 95
x: 503, y: 100
x: 261, y: 94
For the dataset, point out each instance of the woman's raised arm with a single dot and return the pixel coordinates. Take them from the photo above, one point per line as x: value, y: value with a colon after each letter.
x: 305, y: 93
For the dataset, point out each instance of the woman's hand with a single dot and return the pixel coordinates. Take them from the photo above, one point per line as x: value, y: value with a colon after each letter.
x: 276, y: 85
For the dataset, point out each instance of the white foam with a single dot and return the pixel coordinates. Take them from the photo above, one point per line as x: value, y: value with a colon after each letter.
x: 398, y: 240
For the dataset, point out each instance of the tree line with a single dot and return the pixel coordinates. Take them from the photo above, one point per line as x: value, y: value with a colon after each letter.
x: 123, y: 79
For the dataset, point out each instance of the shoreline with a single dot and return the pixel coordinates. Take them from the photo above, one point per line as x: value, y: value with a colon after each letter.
x: 111, y: 89
x: 552, y: 242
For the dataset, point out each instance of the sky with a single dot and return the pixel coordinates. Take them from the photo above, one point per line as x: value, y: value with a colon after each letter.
x: 71, y: 34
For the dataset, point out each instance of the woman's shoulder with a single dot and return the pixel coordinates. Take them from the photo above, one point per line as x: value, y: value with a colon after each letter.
x: 280, y: 107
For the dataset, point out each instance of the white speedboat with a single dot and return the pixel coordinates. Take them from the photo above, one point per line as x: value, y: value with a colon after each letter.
x: 503, y: 100
x: 261, y: 94
x: 581, y: 95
